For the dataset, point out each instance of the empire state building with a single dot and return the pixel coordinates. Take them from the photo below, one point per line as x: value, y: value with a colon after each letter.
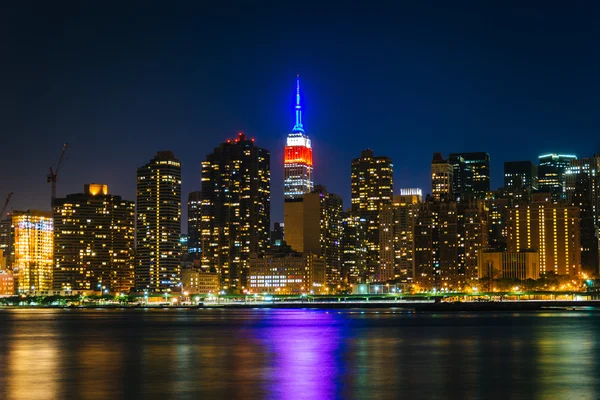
x: 298, y: 162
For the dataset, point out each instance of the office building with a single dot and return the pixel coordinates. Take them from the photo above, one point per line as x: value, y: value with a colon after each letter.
x: 7, y: 283
x: 372, y: 188
x: 33, y: 241
x: 503, y: 265
x: 298, y: 159
x: 442, y: 178
x: 277, y: 235
x: 520, y: 180
x: 551, y: 229
x: 6, y: 236
x: 292, y: 273
x: 470, y: 175
x: 497, y: 214
x: 314, y: 225
x: 396, y: 232
x: 582, y: 180
x: 552, y: 170
x: 94, y: 235
x: 194, y: 219
x: 236, y: 196
x: 159, y: 224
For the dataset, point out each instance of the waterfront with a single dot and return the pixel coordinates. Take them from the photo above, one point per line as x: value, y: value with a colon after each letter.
x: 297, y: 354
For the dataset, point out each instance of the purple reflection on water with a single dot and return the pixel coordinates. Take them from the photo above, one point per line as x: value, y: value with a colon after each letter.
x: 304, y: 350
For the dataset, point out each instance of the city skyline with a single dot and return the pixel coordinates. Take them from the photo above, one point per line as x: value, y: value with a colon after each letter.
x: 421, y: 96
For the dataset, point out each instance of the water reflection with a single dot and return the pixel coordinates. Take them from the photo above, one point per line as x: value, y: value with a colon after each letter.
x: 296, y: 354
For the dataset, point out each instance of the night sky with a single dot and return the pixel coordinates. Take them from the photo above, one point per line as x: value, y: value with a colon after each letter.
x: 121, y: 80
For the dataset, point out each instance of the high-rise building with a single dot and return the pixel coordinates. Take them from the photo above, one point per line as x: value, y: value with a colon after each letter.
x: 447, y: 238
x: 33, y: 241
x: 314, y: 225
x: 396, y: 234
x: 552, y: 174
x: 236, y: 198
x: 6, y: 236
x: 582, y: 180
x: 158, y: 225
x: 354, y: 249
x: 551, y: 229
x: 194, y: 220
x: 94, y: 235
x: 298, y: 159
x: 520, y: 180
x: 442, y: 178
x: 372, y: 188
x: 497, y: 213
x: 471, y: 174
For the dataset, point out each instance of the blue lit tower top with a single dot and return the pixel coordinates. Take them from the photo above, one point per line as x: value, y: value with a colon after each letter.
x: 298, y: 127
x: 298, y: 162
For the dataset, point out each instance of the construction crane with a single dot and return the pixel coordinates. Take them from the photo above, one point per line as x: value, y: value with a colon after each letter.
x: 6, y: 204
x: 53, y: 175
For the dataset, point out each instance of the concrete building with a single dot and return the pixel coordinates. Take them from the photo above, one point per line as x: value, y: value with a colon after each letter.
x: 292, y: 273
x: 514, y: 265
x: 520, y: 180
x: 314, y: 225
x: 471, y: 175
x: 354, y: 249
x: 442, y: 178
x: 236, y: 201
x: 7, y: 283
x: 197, y: 281
x: 194, y: 236
x: 158, y: 228
x: 371, y: 189
x: 94, y: 235
x: 551, y: 229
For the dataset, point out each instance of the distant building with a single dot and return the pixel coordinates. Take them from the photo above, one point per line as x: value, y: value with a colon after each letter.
x: 551, y: 229
x: 236, y: 193
x: 354, y: 249
x: 158, y: 226
x: 7, y: 283
x: 6, y: 236
x: 582, y: 180
x: 396, y: 232
x: 552, y: 170
x: 94, y: 235
x: 516, y: 265
x: 314, y: 225
x: 520, y: 180
x: 298, y: 160
x: 497, y: 214
x: 277, y: 234
x: 471, y: 175
x: 196, y: 281
x: 33, y: 240
x: 194, y: 240
x: 371, y: 189
x: 292, y: 273
x: 442, y: 178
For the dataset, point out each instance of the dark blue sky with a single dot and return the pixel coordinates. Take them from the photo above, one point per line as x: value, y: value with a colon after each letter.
x: 121, y: 80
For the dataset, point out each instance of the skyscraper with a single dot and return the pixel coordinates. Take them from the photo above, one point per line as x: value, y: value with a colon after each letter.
x: 33, y: 241
x: 442, y: 178
x: 354, y: 249
x: 520, y: 180
x: 298, y: 160
x: 236, y: 199
x: 314, y: 225
x: 552, y: 174
x: 372, y: 188
x: 397, y: 237
x: 159, y: 224
x: 582, y: 182
x: 94, y: 234
x: 551, y: 229
x: 471, y: 174
x: 194, y: 220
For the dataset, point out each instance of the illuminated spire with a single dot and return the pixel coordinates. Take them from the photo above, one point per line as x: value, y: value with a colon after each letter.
x: 298, y: 127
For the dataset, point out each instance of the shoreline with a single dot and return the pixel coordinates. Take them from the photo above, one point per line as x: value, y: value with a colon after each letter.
x: 505, y: 306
